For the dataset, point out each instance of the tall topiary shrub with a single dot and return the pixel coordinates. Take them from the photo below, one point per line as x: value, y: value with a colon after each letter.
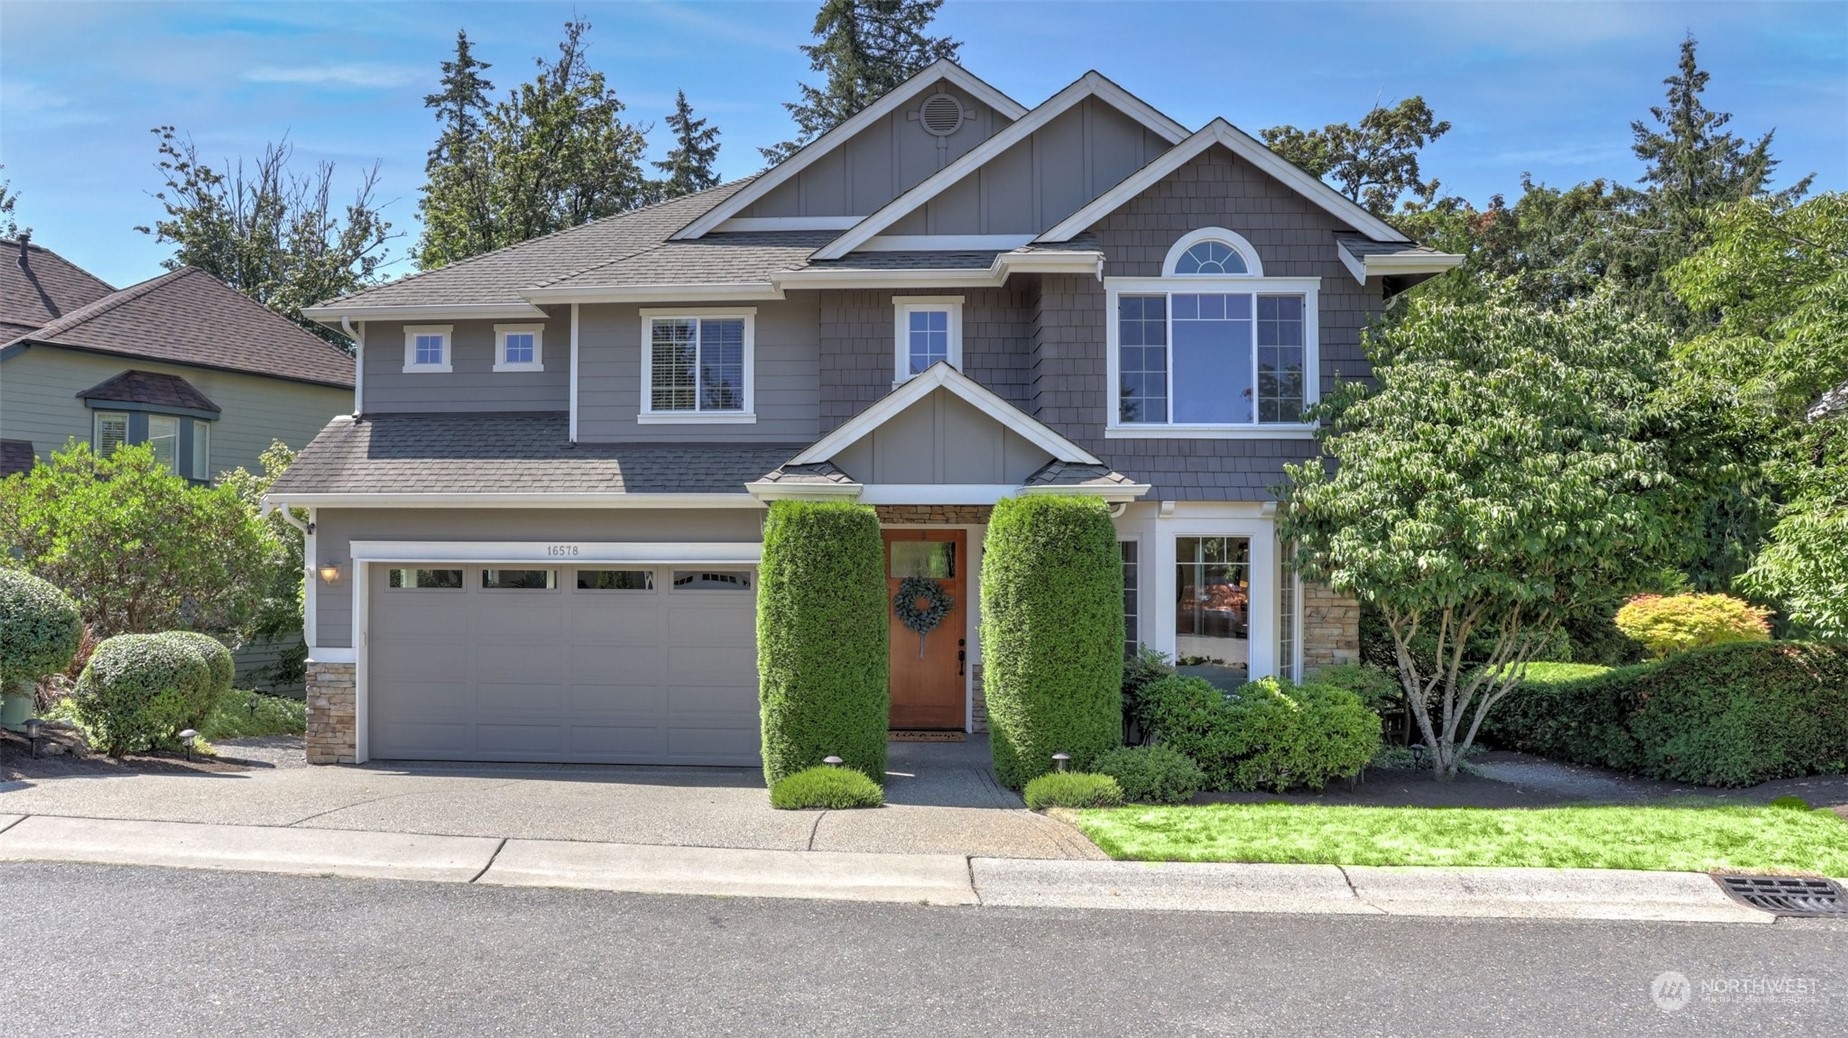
x: 821, y: 638
x: 1052, y: 634
x: 40, y: 631
x: 139, y: 689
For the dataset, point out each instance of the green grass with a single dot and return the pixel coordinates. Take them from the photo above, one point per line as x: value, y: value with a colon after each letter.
x: 1680, y: 839
x: 250, y: 715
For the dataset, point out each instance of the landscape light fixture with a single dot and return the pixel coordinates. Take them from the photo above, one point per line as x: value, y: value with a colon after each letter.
x: 187, y: 738
x: 832, y: 761
x: 1060, y: 760
x: 33, y: 725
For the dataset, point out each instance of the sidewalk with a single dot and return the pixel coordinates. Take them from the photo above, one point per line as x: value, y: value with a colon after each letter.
x: 935, y: 879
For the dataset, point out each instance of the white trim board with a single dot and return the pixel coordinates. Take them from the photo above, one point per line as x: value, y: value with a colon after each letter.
x: 783, y: 172
x: 559, y: 553
x: 1245, y: 147
x: 1091, y: 84
x: 420, y: 312
x: 1363, y: 267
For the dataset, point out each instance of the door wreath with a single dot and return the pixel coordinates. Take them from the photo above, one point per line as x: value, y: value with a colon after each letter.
x: 921, y: 604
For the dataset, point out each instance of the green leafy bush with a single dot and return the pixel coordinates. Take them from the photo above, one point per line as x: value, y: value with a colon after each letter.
x: 1666, y: 624
x: 40, y: 630
x: 1574, y: 712
x: 218, y: 661
x: 1072, y: 789
x: 1152, y: 774
x: 821, y: 639
x: 1052, y: 633
x: 1377, y: 687
x: 1269, y: 733
x: 247, y: 715
x: 825, y: 787
x: 140, y: 689
x: 1140, y: 671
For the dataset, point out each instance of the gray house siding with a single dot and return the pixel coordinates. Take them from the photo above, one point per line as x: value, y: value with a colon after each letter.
x: 1078, y: 155
x: 942, y: 439
x: 472, y: 384
x: 784, y: 395
x: 38, y: 402
x: 879, y: 163
x: 336, y: 529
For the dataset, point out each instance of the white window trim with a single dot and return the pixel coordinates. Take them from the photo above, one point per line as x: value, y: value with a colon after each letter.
x: 1261, y: 610
x: 1308, y: 288
x: 649, y: 416
x: 501, y: 331
x: 96, y: 430
x: 902, y: 309
x: 412, y: 331
x: 1253, y: 265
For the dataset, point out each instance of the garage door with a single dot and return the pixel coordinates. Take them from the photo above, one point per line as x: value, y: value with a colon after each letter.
x: 609, y: 665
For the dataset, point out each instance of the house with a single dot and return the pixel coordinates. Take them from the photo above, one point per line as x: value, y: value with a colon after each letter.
x: 535, y: 539
x: 182, y: 361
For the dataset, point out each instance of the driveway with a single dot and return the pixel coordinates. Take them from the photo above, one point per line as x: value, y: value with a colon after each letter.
x: 942, y: 798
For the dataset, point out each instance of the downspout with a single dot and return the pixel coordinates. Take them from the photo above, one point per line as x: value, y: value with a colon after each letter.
x: 308, y: 573
x: 359, y: 361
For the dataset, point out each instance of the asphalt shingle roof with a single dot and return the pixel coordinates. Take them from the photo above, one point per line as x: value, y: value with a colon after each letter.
x: 147, y: 387
x: 45, y: 289
x: 716, y: 258
x: 15, y: 456
x: 187, y: 316
x: 1361, y: 246
x: 821, y: 473
x: 1072, y: 474
x: 528, y: 453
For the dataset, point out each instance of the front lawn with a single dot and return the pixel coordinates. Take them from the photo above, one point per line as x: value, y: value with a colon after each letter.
x: 1681, y: 839
x: 249, y: 715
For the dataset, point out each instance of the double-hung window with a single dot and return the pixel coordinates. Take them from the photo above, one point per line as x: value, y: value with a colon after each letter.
x: 426, y: 347
x: 182, y: 444
x: 519, y: 347
x: 696, y: 365
x: 1212, y: 347
x: 928, y: 331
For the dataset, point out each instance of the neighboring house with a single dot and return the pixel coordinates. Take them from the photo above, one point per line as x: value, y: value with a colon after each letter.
x: 182, y: 361
x: 537, y: 538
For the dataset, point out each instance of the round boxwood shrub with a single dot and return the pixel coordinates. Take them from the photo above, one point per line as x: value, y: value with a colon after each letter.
x: 825, y: 787
x: 139, y: 689
x: 821, y: 639
x: 40, y: 631
x: 1052, y: 633
x: 1072, y: 789
x: 218, y: 661
x: 1152, y: 774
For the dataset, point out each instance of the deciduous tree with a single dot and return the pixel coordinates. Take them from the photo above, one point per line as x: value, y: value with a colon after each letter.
x: 1373, y: 162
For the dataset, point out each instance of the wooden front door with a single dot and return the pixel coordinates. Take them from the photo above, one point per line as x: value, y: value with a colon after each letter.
x: 927, y: 672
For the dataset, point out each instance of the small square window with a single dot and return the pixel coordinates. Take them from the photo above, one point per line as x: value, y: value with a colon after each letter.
x: 519, y: 579
x: 928, y: 331
x: 519, y: 347
x: 615, y: 580
x: 426, y: 347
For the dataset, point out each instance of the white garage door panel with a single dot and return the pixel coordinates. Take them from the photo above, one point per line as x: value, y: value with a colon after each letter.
x: 661, y: 677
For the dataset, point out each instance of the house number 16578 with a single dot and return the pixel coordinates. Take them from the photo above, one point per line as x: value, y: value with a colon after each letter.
x: 556, y: 550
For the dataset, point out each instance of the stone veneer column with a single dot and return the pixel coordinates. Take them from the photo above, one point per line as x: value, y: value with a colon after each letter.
x: 333, y: 737
x: 1331, y: 628
x: 978, y: 700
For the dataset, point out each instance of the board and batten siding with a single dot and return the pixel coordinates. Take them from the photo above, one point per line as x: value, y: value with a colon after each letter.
x: 784, y: 394
x: 38, y: 402
x: 337, y: 528
x: 471, y: 384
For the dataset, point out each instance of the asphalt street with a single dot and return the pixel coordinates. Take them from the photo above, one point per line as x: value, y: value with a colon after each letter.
x: 99, y: 950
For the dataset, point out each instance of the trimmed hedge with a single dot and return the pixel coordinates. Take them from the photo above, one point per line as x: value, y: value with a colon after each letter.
x: 825, y: 787
x: 1268, y: 733
x: 1072, y: 789
x: 1152, y: 774
x: 1729, y: 715
x: 40, y: 629
x: 218, y: 661
x: 1052, y: 634
x: 138, y: 690
x: 821, y: 639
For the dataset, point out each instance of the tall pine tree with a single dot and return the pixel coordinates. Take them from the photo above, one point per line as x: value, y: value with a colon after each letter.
x: 458, y: 218
x: 865, y: 48
x: 689, y: 164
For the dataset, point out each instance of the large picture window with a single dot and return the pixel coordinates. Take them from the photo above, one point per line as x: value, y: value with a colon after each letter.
x: 1212, y: 611
x: 697, y: 366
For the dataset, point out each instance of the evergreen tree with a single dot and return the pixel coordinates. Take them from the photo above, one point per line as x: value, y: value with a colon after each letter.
x: 1374, y: 162
x: 9, y: 198
x: 458, y: 220
x: 865, y: 48
x: 689, y: 165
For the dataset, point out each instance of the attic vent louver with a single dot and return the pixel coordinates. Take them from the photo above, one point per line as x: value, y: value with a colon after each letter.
x: 941, y: 115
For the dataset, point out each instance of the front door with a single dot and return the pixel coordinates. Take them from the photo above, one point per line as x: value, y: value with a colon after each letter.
x: 928, y: 655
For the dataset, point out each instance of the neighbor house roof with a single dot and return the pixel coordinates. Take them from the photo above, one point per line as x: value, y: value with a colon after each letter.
x: 43, y: 288
x: 148, y: 387
x: 491, y: 454
x: 187, y: 316
x: 15, y: 456
x: 1835, y: 401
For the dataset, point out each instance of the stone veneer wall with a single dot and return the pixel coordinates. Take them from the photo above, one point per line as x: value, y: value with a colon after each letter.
x: 978, y: 700
x: 1331, y: 628
x: 333, y: 737
x: 971, y: 515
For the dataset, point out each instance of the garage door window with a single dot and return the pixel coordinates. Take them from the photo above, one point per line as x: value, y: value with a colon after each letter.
x: 615, y: 580
x: 519, y: 579
x: 712, y: 580
x: 426, y: 579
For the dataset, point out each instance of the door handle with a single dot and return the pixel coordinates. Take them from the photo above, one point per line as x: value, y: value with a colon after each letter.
x: 962, y: 655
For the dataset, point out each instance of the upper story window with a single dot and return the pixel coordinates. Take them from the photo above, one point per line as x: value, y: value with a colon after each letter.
x: 697, y: 365
x: 1212, y: 348
x: 182, y: 444
x: 426, y: 347
x: 519, y: 347
x: 928, y: 331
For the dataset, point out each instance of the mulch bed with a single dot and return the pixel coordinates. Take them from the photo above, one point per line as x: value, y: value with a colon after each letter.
x: 17, y: 763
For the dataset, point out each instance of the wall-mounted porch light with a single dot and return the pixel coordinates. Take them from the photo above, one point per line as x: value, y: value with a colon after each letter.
x: 330, y: 571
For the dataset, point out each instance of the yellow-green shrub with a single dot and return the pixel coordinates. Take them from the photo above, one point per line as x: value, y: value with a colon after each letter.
x: 1666, y: 624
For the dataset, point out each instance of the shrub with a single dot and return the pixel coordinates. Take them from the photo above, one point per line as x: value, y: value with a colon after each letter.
x: 40, y: 630
x: 825, y: 787
x: 821, y: 639
x: 1677, y: 623
x: 139, y: 689
x: 245, y: 715
x: 1052, y: 633
x: 218, y: 661
x: 1574, y: 712
x: 1072, y: 789
x: 1140, y: 671
x: 1377, y: 687
x: 1152, y: 774
x: 1268, y: 733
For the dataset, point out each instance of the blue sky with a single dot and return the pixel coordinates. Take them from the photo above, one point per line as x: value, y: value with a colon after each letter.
x: 1529, y: 86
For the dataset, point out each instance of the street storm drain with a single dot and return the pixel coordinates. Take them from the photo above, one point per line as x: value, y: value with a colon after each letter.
x: 1787, y: 895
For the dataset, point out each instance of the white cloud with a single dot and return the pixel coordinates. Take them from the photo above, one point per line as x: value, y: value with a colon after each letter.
x: 354, y: 75
x: 30, y: 103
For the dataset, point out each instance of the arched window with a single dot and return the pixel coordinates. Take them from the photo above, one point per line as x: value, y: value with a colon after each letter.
x: 1211, y: 257
x: 1213, y: 252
